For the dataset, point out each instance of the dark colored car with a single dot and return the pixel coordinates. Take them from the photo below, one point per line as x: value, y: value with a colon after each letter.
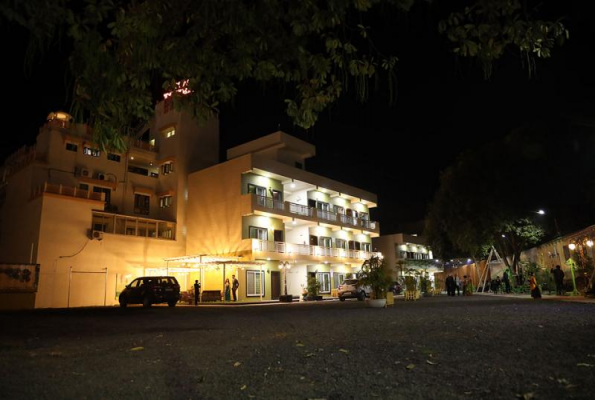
x: 148, y: 290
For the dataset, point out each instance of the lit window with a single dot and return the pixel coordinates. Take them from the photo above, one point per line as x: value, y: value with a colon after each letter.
x: 89, y: 151
x: 324, y: 278
x: 169, y: 132
x: 167, y: 168
x: 165, y: 201
x: 71, y: 147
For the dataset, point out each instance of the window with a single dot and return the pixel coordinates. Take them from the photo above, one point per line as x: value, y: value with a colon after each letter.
x: 254, y: 283
x: 324, y: 278
x: 169, y: 132
x: 324, y: 241
x: 339, y: 279
x: 89, y: 151
x: 141, y: 204
x: 71, y: 146
x: 258, y: 233
x: 113, y: 157
x: 84, y: 186
x: 340, y: 243
x: 339, y: 210
x: 107, y: 191
x: 257, y: 190
x: 366, y: 247
x: 364, y: 216
x: 138, y: 170
x: 165, y: 201
x: 167, y: 168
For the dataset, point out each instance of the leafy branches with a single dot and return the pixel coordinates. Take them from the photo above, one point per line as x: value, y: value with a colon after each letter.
x: 490, y: 27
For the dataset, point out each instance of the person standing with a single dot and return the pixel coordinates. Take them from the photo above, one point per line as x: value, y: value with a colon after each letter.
x: 235, y: 284
x: 196, y: 292
x: 535, y: 292
x: 506, y: 280
x: 450, y: 286
x: 227, y: 290
x: 559, y: 279
x: 457, y: 286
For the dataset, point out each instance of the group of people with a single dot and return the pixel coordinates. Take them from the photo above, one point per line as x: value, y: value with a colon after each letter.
x: 229, y: 289
x: 495, y: 285
x: 455, y: 284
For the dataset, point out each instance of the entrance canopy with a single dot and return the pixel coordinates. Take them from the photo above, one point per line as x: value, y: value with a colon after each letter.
x: 194, y: 262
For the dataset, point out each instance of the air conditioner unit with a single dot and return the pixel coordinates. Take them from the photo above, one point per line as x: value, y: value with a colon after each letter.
x: 94, y: 235
x: 101, y: 177
x: 85, y: 172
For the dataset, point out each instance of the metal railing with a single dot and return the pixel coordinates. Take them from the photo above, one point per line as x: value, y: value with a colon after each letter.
x: 67, y: 191
x: 308, y: 250
x: 306, y: 211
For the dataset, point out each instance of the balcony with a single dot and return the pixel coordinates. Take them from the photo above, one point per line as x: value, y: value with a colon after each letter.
x: 119, y: 224
x: 68, y: 191
x: 300, y: 210
x: 294, y: 250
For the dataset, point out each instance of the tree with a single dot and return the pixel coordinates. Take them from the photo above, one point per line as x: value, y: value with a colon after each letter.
x: 125, y: 54
x: 490, y: 195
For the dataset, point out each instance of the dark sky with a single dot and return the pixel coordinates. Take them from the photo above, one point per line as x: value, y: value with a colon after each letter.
x: 444, y: 107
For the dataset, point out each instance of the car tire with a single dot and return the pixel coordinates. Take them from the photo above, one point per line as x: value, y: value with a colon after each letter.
x: 146, y: 302
x: 172, y: 303
x: 361, y: 296
x: 341, y: 298
x: 123, y: 303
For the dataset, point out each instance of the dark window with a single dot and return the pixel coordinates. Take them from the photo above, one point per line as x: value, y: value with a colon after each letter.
x: 84, y: 186
x: 113, y: 157
x: 108, y: 193
x: 313, y: 240
x: 278, y: 236
x: 138, y: 170
x: 257, y: 190
x: 71, y: 147
x: 141, y: 204
x: 351, y: 245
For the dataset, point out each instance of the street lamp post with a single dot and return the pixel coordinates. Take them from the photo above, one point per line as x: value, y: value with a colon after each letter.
x: 571, y: 262
x: 286, y: 298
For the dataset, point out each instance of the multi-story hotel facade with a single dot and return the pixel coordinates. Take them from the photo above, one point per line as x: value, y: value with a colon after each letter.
x: 93, y: 221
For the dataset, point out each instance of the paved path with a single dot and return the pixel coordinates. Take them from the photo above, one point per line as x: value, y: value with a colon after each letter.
x: 434, y: 348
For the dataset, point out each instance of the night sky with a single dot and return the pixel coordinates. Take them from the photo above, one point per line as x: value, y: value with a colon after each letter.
x: 444, y: 107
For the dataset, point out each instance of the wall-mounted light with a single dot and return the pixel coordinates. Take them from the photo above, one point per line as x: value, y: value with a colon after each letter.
x: 572, y: 246
x: 590, y: 243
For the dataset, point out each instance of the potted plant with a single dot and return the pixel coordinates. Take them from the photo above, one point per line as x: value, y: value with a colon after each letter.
x: 313, y: 289
x: 425, y: 286
x: 375, y: 274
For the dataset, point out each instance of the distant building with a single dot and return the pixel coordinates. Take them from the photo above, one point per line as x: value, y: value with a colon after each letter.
x: 95, y: 220
x: 403, y: 251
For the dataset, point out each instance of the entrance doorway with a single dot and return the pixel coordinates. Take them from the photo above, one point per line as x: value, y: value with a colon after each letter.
x: 275, y: 284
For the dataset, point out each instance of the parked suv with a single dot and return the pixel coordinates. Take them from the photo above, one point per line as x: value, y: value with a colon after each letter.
x: 148, y: 290
x: 351, y: 288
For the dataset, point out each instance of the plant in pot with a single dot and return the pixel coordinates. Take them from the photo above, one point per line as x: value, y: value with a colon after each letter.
x: 425, y: 286
x: 375, y: 274
x: 313, y: 289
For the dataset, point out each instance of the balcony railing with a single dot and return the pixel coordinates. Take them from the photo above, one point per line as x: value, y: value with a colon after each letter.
x: 119, y: 224
x: 67, y: 191
x: 307, y: 250
x: 305, y: 211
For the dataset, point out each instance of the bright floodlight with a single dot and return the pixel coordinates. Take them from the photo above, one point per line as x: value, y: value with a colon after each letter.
x: 541, y: 212
x: 590, y: 243
x: 572, y: 246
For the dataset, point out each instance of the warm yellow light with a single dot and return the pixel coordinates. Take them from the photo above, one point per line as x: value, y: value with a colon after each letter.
x: 590, y: 243
x: 572, y: 246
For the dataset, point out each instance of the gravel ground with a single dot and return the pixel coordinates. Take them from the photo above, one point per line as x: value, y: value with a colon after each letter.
x: 435, y: 348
